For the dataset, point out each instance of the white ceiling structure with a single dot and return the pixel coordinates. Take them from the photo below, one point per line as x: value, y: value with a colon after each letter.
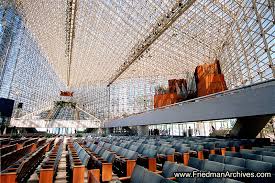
x: 106, y: 33
x: 135, y: 45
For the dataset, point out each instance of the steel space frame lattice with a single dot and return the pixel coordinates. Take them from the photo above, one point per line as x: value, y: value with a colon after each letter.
x: 113, y: 54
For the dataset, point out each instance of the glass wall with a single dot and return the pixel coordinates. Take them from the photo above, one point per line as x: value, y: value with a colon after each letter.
x: 200, y: 128
x: 26, y: 75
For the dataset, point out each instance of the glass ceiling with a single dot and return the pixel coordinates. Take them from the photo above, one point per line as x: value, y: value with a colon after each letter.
x: 82, y: 45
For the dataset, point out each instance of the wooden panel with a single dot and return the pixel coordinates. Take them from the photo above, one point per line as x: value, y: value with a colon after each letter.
x: 152, y: 164
x: 200, y: 155
x: 130, y: 165
x: 33, y: 148
x: 8, y: 177
x: 223, y: 151
x: 46, y: 175
x: 78, y: 174
x: 19, y: 146
x: 107, y: 171
x: 94, y: 176
x: 170, y: 157
x: 186, y: 157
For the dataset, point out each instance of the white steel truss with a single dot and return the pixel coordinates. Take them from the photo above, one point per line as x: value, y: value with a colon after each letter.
x: 84, y: 45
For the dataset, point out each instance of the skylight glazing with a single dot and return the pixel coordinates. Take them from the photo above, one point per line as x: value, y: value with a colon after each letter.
x: 240, y: 34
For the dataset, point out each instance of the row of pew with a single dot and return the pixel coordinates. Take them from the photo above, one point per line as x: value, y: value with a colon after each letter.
x: 77, y: 161
x: 48, y: 168
x: 201, y: 146
x: 112, y: 152
x: 19, y: 161
x: 136, y: 159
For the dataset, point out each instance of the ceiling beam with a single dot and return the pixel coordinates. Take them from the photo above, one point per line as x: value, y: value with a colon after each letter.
x: 70, y: 34
x: 166, y: 21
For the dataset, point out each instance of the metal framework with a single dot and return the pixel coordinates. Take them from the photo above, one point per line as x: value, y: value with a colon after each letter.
x: 132, y: 46
x: 166, y: 21
x: 70, y: 34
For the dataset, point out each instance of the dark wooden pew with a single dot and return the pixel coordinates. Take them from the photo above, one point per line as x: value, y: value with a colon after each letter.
x: 22, y: 170
x: 7, y: 149
x: 12, y: 157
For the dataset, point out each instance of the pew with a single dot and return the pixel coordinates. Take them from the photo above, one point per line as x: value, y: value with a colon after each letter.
x: 7, y: 149
x: 50, y: 163
x: 76, y: 167
x: 147, y: 158
x: 21, y: 171
x: 10, y: 158
x: 125, y: 162
x: 165, y: 154
x: 104, y: 164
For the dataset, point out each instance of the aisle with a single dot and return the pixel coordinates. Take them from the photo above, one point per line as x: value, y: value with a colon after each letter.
x: 61, y: 175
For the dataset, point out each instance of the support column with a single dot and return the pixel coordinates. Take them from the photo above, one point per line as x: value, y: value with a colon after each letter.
x: 143, y: 130
x: 249, y: 127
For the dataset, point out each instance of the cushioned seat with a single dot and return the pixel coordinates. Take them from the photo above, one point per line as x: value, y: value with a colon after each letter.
x: 271, y: 160
x: 142, y: 175
x: 111, y: 158
x: 263, y: 149
x: 122, y: 152
x: 196, y: 163
x: 132, y: 155
x: 98, y: 148
x: 140, y: 149
x: 183, y: 168
x: 217, y: 158
x: 123, y: 145
x: 107, y: 145
x: 162, y: 150
x: 169, y: 168
x: 92, y: 147
x: 197, y: 147
x: 258, y: 166
x: 233, y: 168
x: 182, y: 148
x: 213, y: 166
x: 151, y: 153
x: 209, y: 145
x: 234, y: 161
x: 233, y: 154
x: 150, y: 177
x: 170, y: 151
x: 268, y: 153
x: 133, y: 148
x: 246, y: 155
